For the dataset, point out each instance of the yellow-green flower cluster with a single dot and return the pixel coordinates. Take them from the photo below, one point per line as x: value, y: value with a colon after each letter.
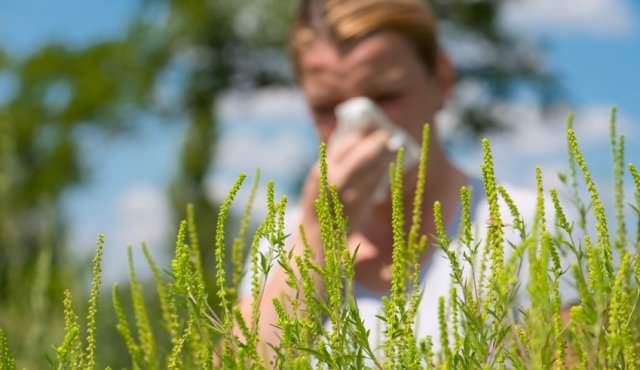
x: 7, y: 362
x: 617, y: 149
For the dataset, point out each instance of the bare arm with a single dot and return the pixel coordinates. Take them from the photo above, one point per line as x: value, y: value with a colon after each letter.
x: 277, y: 286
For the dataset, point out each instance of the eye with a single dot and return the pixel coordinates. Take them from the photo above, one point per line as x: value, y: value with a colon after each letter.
x: 386, y: 98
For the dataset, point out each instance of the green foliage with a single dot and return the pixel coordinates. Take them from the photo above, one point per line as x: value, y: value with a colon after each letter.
x: 238, y: 246
x: 7, y: 362
x: 617, y: 148
x: 636, y: 207
x: 70, y: 354
x: 481, y: 323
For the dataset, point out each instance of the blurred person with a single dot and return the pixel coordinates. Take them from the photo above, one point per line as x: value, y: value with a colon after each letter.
x: 388, y: 51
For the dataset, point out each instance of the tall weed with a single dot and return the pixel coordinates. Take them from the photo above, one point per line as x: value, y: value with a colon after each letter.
x: 482, y: 325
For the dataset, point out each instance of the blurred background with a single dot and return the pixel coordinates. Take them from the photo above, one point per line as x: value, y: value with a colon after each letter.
x: 116, y: 114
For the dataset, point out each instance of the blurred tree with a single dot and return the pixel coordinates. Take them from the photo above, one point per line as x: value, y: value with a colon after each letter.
x: 496, y: 62
x: 194, y: 50
x: 210, y: 46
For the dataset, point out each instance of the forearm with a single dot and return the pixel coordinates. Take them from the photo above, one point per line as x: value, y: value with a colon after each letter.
x: 276, y: 285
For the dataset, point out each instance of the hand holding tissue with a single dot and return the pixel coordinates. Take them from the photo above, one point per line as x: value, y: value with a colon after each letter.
x: 362, y: 113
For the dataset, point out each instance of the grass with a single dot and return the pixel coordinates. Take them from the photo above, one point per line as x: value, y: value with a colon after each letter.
x: 481, y: 324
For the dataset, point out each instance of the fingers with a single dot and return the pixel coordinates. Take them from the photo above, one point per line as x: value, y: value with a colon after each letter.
x: 361, y: 170
x: 369, y: 154
x: 357, y: 163
x: 339, y: 147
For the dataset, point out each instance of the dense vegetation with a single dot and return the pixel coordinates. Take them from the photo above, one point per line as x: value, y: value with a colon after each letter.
x: 477, y: 322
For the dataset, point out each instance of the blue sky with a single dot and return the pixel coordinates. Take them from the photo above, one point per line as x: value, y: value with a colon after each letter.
x: 594, y: 46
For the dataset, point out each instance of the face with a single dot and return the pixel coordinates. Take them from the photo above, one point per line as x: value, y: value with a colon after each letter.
x: 383, y: 67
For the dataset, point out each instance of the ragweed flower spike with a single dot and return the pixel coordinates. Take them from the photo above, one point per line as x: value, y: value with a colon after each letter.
x: 143, y: 324
x: 561, y: 217
x: 181, y: 264
x: 123, y: 328
x: 444, y: 243
x: 70, y: 353
x: 540, y: 221
x: 617, y: 149
x: 618, y: 332
x: 270, y: 221
x: 174, y: 361
x: 165, y: 296
x: 399, y: 263
x: 598, y: 208
x: 495, y: 235
x: 439, y: 223
x: 221, y: 282
x: 7, y: 362
x: 239, y: 242
x: 444, y: 331
x: 636, y: 180
x: 518, y: 222
x: 596, y: 269
x: 195, y: 253
x: 90, y: 358
x: 416, y: 221
x: 465, y: 227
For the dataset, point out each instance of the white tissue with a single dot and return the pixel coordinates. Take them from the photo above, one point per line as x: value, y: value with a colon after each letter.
x: 362, y: 112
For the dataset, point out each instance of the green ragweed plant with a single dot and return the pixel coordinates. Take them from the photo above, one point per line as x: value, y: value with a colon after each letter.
x: 483, y: 321
x: 7, y: 362
x: 71, y: 354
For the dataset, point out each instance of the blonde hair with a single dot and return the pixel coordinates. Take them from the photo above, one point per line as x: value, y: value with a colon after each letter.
x: 342, y: 21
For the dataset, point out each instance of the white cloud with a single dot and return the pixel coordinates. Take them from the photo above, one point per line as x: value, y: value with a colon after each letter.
x: 536, y: 138
x: 239, y: 106
x: 244, y: 151
x: 596, y: 17
x: 139, y: 214
x: 142, y: 214
x: 268, y: 129
x: 535, y: 133
x: 218, y: 187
